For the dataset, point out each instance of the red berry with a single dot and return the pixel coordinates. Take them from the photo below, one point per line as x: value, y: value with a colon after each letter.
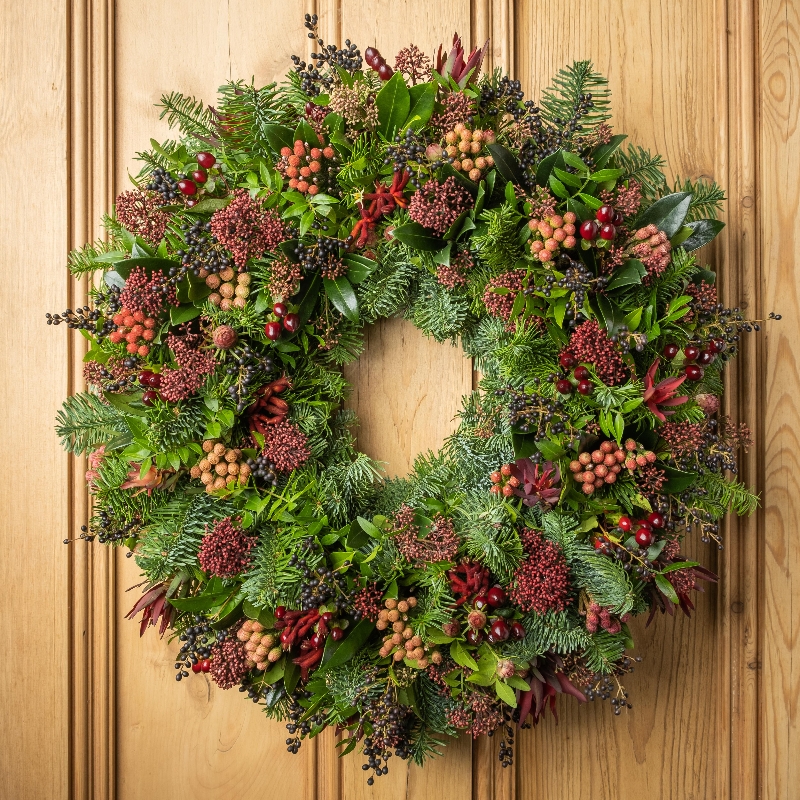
x: 496, y: 597
x: 716, y: 345
x: 291, y: 322
x: 581, y: 373
x: 337, y: 634
x: 370, y: 54
x: 670, y: 351
x: 564, y: 386
x: 693, y: 372
x: 473, y: 636
x: 567, y: 360
x: 205, y: 665
x: 588, y: 229
x: 187, y: 187
x: 585, y: 387
x: 199, y: 176
x: 605, y: 214
x: 272, y: 330
x: 206, y: 160
x: 481, y: 602
x: 706, y: 357
x: 280, y: 612
x: 196, y: 667
x: 385, y: 72
x: 517, y: 631
x: 599, y: 542
x: 645, y: 524
x: 279, y: 310
x: 286, y: 636
x: 656, y: 519
x: 644, y: 537
x: 144, y: 377
x: 608, y: 231
x: 327, y: 616
x: 500, y: 630
x: 149, y: 397
x: 691, y: 352
x: 625, y: 524
x: 618, y: 219
x: 317, y: 641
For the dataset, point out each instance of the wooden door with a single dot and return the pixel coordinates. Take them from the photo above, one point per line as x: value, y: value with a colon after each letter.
x: 92, y: 711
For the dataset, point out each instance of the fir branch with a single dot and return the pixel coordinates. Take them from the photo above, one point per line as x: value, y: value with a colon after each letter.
x: 84, y: 422
x: 245, y: 112
x: 727, y: 495
x: 707, y: 198
x: 387, y: 289
x: 192, y: 117
x: 562, y: 98
x: 642, y: 166
x: 560, y: 631
x: 437, y: 312
x: 603, y: 651
x: 82, y: 260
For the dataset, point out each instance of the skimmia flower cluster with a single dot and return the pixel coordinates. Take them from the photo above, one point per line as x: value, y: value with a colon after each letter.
x: 236, y: 281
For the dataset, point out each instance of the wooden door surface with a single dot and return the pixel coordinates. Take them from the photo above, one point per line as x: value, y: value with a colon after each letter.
x: 90, y: 710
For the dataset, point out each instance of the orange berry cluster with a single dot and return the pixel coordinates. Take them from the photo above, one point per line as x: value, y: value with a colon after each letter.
x: 259, y: 646
x: 552, y: 233
x: 503, y: 482
x: 306, y: 167
x: 227, y: 294
x: 402, y: 643
x: 594, y: 470
x: 467, y: 148
x: 135, y: 328
x: 221, y: 468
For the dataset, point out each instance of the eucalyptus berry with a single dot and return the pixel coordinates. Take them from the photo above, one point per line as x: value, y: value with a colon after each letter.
x: 199, y: 176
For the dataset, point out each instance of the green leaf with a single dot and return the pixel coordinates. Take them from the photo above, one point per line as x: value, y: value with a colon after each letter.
x: 393, y: 102
x: 546, y: 167
x: 291, y: 675
x: 677, y: 480
x: 567, y: 177
x: 571, y: 160
x: 414, y: 235
x: 202, y: 602
x: 359, y: 268
x: 278, y: 136
x: 549, y: 449
x: 605, y: 151
x: 506, y: 694
x: 305, y: 133
x: 209, y: 205
x: 342, y: 296
x: 148, y: 264
x: 603, y: 175
x: 507, y: 164
x: 422, y: 97
x: 460, y: 655
x: 353, y: 643
x: 703, y: 231
x: 630, y: 273
x: 558, y: 188
x: 180, y: 314
x: 590, y: 201
x: 680, y: 565
x: 524, y: 444
x: 666, y: 588
x: 668, y: 213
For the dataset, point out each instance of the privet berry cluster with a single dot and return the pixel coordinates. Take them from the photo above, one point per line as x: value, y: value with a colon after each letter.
x: 234, y: 283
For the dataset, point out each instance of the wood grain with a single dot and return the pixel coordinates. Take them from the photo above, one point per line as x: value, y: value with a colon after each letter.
x: 34, y: 364
x: 779, y: 660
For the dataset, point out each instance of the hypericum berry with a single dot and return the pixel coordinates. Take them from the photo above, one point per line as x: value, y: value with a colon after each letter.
x: 670, y: 351
x: 199, y: 176
x: 337, y: 634
x: 272, y: 330
x: 291, y: 322
x: 716, y: 345
x: 605, y: 214
x: 693, y: 372
x: 706, y: 357
x: 691, y: 352
x: 608, y: 231
x: 585, y: 387
x: 187, y: 187
x: 644, y: 537
x: 656, y: 519
x: 280, y: 612
x: 197, y: 667
x: 316, y: 641
x: 581, y: 373
x: 279, y: 310
x: 206, y: 160
x: 517, y: 630
x: 144, y: 377
x: 154, y: 381
x: 618, y: 219
x: 371, y: 54
x: 588, y: 230
x: 385, y: 72
x: 205, y: 665
x: 567, y: 360
x: 500, y: 630
x: 625, y: 524
x: 149, y: 397
x: 564, y: 386
x: 481, y: 602
x: 496, y: 597
x: 473, y: 637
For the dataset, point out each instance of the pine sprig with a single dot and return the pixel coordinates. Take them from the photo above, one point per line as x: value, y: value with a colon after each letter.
x: 84, y: 422
x: 560, y: 100
x: 191, y: 116
x: 642, y: 166
x: 83, y: 260
x: 707, y: 198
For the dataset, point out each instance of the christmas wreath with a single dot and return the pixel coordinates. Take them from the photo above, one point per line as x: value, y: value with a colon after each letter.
x: 236, y: 278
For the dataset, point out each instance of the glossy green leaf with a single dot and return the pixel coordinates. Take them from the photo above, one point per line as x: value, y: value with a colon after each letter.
x: 630, y: 273
x: 342, y: 296
x: 507, y: 164
x: 209, y: 205
x: 417, y: 237
x: 353, y: 642
x: 666, y: 588
x: 668, y: 213
x: 393, y: 102
x: 278, y: 136
x: 180, y: 314
x: 422, y: 97
x: 506, y: 694
x: 703, y: 231
x: 359, y: 268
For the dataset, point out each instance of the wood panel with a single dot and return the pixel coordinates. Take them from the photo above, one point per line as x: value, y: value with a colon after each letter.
x: 214, y: 744
x: 779, y: 31
x: 664, y: 71
x: 34, y: 364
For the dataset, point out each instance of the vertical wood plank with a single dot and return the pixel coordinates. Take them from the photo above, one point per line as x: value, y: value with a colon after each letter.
x: 407, y: 389
x: 778, y: 46
x: 214, y: 744
x: 34, y: 363
x: 664, y: 71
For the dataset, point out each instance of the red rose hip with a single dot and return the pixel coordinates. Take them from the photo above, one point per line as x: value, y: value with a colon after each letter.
x: 517, y: 631
x: 625, y: 524
x: 581, y: 373
x: 567, y: 360
x: 385, y: 72
x: 691, y: 352
x: 199, y: 176
x: 670, y: 351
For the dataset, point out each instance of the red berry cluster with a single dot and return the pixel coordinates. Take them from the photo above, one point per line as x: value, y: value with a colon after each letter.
x: 285, y: 445
x: 598, y: 616
x: 225, y: 549
x: 503, y: 482
x: 438, y: 205
x: 594, y: 470
x: 189, y: 185
x: 229, y: 663
x: 376, y: 61
x: 580, y: 376
x: 551, y: 233
x: 136, y: 329
x: 151, y: 381
x: 501, y: 305
x: 541, y: 582
x: 642, y: 529
x: 307, y: 168
x: 605, y: 224
x: 591, y: 344
x: 695, y: 356
x: 491, y: 610
x: 285, y: 321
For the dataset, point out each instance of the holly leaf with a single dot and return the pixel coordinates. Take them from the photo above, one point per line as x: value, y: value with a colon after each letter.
x: 341, y: 294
